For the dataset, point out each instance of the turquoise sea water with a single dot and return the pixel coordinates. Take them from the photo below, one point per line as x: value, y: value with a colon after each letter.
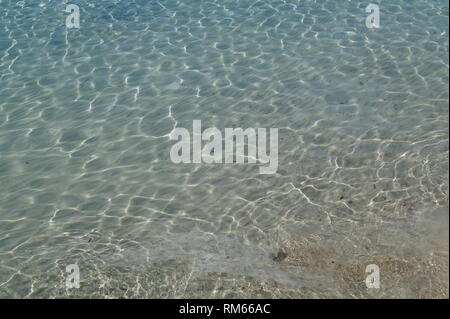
x: 86, y: 176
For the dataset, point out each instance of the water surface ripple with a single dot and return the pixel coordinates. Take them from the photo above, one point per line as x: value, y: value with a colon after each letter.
x: 86, y: 177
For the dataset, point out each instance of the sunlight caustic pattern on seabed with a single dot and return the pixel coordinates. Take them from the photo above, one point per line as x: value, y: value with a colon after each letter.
x: 85, y: 170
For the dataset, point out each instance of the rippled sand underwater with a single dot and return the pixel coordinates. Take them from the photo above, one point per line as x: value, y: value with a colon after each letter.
x: 86, y: 177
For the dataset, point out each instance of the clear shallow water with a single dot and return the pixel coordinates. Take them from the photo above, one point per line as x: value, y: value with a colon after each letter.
x: 86, y: 177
